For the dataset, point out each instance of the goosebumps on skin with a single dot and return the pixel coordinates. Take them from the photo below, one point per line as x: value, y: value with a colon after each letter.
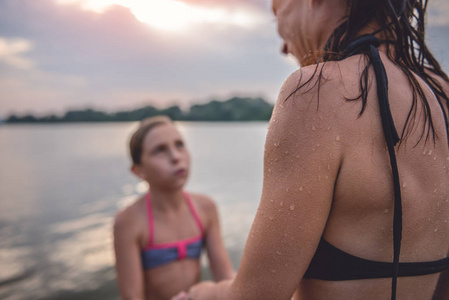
x: 356, y: 163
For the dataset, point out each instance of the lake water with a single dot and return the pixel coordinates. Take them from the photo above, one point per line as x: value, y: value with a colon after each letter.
x: 61, y: 185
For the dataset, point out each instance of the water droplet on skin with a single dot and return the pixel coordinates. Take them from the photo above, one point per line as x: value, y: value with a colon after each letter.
x: 337, y: 138
x: 292, y: 207
x: 424, y: 152
x: 435, y: 158
x: 321, y: 118
x: 328, y: 128
x: 435, y: 190
x: 326, y: 177
x: 271, y: 218
x: 271, y: 200
x: 300, y: 189
x: 404, y: 184
x: 281, y: 204
x: 261, y: 212
x: 436, y: 229
x: 313, y: 128
x: 269, y: 170
x: 297, y: 156
x: 386, y: 211
x: 328, y: 167
x: 276, y: 159
x: 278, y: 253
x: 276, y: 144
x: 445, y: 221
x: 286, y: 152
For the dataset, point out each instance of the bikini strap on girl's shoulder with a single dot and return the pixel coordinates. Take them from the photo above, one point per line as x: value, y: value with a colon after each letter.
x: 194, y: 212
x: 150, y: 218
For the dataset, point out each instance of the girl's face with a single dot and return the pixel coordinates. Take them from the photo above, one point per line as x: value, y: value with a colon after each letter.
x: 165, y: 161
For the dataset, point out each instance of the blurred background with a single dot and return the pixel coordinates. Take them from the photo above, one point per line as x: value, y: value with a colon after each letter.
x: 62, y: 180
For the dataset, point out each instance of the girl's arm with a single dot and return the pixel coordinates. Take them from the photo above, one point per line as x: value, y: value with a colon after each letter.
x: 127, y: 255
x: 303, y: 154
x: 220, y: 263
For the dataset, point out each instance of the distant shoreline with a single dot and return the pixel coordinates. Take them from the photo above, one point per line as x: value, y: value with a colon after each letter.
x: 232, y: 110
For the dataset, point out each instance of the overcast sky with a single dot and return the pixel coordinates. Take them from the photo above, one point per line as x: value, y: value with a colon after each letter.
x: 57, y: 55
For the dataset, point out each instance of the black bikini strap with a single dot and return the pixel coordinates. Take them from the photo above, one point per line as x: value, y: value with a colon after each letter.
x: 369, y: 44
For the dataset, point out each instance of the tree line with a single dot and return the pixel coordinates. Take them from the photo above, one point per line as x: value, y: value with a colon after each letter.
x: 234, y: 109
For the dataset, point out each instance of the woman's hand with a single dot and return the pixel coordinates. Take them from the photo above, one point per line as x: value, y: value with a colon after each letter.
x: 180, y: 296
x: 199, y: 291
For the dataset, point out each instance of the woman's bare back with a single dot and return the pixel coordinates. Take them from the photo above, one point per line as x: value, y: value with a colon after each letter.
x: 361, y: 219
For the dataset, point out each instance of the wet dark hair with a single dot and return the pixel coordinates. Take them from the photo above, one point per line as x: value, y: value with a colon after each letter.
x: 136, y: 142
x: 402, y: 27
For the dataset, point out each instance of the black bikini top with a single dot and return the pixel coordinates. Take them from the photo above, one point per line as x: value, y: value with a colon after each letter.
x: 333, y: 264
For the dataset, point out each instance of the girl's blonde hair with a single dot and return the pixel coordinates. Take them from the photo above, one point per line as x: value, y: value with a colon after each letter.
x: 136, y: 142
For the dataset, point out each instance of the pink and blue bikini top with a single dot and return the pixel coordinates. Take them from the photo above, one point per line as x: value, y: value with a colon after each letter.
x: 155, y: 255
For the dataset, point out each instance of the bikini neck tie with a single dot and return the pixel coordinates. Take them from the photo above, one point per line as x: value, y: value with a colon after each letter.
x: 368, y: 44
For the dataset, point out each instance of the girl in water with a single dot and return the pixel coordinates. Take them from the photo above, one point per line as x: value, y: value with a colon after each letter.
x: 158, y: 239
x: 355, y: 200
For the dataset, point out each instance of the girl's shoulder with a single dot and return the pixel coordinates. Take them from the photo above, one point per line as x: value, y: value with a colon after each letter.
x: 202, y: 202
x: 132, y: 217
x: 205, y: 207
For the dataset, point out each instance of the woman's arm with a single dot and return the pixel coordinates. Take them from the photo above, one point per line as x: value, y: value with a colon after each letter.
x: 220, y: 263
x: 442, y: 288
x: 303, y: 154
x: 127, y: 255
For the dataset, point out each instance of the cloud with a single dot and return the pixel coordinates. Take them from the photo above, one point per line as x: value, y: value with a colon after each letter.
x: 11, y: 51
x: 177, y: 15
x: 112, y: 60
x: 78, y: 58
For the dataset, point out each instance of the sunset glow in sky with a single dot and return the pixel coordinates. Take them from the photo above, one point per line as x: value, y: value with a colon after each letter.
x: 59, y: 55
x: 169, y: 15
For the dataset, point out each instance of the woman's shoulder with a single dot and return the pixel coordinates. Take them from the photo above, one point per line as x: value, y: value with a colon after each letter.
x: 332, y: 78
x: 314, y: 99
x: 322, y: 88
